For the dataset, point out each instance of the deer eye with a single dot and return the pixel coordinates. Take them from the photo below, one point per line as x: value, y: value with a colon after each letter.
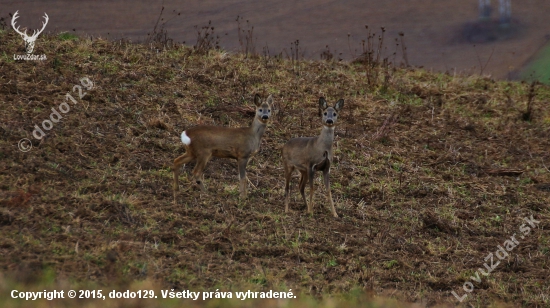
x: 260, y: 110
x: 268, y: 110
x: 335, y: 114
x: 325, y: 113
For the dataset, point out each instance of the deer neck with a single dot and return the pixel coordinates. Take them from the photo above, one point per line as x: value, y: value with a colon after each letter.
x: 257, y: 129
x: 324, y: 141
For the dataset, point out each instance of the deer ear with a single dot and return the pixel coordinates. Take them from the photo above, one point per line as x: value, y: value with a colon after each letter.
x: 339, y: 104
x: 322, y: 103
x: 257, y: 100
x: 270, y: 100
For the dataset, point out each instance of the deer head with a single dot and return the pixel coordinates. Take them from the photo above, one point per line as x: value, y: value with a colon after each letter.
x: 329, y: 114
x: 263, y: 110
x: 29, y: 40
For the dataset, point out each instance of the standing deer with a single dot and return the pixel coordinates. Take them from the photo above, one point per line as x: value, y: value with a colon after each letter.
x: 310, y: 154
x: 202, y: 142
x: 29, y: 40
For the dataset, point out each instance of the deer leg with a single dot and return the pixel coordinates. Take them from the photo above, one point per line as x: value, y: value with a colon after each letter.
x: 303, y: 182
x: 178, y: 162
x: 329, y: 194
x: 310, y: 174
x: 288, y: 175
x: 242, y: 176
x: 199, y: 169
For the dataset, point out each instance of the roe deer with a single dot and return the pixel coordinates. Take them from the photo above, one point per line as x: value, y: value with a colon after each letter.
x: 202, y: 142
x: 310, y: 154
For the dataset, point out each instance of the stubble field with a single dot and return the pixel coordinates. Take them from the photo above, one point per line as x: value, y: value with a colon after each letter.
x: 431, y: 173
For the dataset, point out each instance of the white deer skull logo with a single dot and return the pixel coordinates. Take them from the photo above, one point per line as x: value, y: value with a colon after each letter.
x: 29, y: 40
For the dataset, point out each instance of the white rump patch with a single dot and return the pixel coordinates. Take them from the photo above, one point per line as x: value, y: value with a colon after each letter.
x: 186, y: 140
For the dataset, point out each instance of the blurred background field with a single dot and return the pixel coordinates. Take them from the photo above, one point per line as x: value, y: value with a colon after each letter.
x: 440, y: 35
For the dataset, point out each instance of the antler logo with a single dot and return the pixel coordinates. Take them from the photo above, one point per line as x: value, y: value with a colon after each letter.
x: 29, y: 40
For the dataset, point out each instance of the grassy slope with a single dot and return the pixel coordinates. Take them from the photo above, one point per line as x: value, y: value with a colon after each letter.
x: 539, y: 68
x: 419, y: 212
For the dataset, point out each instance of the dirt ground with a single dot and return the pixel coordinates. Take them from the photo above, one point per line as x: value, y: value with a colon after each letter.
x: 432, y: 172
x: 434, y: 30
